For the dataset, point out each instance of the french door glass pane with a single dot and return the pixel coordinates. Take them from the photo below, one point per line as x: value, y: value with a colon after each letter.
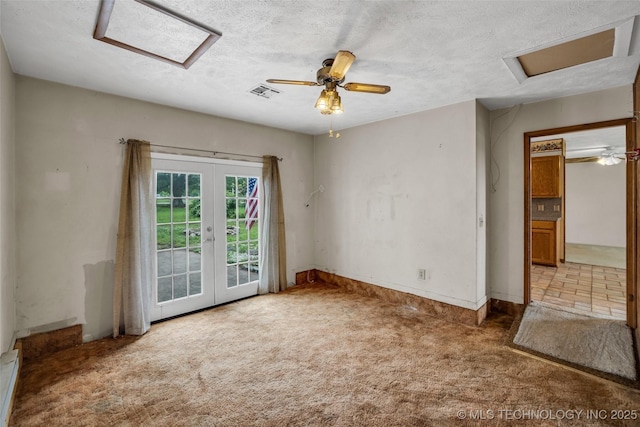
x: 194, y: 185
x: 194, y: 235
x: 164, y: 237
x: 179, y: 211
x: 242, y: 214
x: 179, y: 262
x: 163, y: 184
x: 164, y: 263
x: 180, y: 286
x: 164, y: 289
x: 179, y: 238
x: 194, y: 210
x: 194, y: 261
x: 194, y: 283
x: 232, y: 276
x: 178, y: 184
x: 253, y: 271
x: 178, y: 235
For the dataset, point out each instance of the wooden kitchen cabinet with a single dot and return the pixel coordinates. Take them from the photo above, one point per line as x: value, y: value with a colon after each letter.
x: 545, y: 243
x: 547, y: 176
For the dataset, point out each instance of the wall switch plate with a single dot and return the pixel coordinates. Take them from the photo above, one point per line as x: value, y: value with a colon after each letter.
x: 424, y: 274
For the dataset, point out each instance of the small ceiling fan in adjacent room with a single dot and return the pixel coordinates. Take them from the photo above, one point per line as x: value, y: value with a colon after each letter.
x: 331, y: 76
x: 611, y: 157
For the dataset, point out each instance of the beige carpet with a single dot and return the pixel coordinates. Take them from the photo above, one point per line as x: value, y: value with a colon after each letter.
x: 311, y: 356
x: 602, y: 344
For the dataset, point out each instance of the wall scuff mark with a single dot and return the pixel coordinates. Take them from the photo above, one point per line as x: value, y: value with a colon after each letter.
x: 98, y: 300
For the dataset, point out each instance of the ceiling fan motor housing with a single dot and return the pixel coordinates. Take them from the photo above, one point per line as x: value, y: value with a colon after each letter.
x: 323, y: 77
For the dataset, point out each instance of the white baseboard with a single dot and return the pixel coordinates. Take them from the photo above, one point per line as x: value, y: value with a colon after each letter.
x: 9, y: 364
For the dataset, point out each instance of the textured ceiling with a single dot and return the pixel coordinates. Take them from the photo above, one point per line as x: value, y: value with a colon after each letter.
x: 430, y: 53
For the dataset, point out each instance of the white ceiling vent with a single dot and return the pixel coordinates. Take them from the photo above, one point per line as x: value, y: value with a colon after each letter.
x: 264, y: 91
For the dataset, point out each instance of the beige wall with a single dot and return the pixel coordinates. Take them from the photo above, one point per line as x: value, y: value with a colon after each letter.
x: 7, y: 202
x: 405, y: 194
x: 402, y: 194
x: 68, y: 177
x: 506, y: 200
x: 596, y: 204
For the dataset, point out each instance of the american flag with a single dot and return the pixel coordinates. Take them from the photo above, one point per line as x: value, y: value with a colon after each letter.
x: 251, y: 214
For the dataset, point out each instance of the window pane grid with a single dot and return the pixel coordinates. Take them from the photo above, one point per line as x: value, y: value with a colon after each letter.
x: 243, y: 218
x: 178, y: 235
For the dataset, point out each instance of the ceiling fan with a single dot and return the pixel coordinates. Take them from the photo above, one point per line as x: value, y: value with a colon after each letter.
x: 331, y: 76
x: 611, y: 157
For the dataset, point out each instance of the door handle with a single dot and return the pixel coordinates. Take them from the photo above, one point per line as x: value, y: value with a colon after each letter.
x: 212, y: 238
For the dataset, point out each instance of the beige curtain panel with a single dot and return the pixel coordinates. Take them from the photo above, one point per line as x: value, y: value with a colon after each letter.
x: 133, y: 274
x: 273, y: 265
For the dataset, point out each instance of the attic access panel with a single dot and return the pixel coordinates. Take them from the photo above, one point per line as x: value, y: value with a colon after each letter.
x: 157, y: 33
x: 613, y: 40
x: 568, y: 54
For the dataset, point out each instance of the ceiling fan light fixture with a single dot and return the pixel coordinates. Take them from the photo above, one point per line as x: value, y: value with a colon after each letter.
x: 336, y: 105
x: 609, y: 160
x: 329, y: 102
x: 323, y: 101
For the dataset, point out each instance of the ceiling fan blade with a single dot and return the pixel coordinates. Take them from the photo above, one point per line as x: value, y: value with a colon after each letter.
x: 341, y: 64
x: 293, y: 82
x: 369, y: 88
x: 582, y: 159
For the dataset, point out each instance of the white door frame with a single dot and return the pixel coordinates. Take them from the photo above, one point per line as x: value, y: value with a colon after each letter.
x: 213, y: 280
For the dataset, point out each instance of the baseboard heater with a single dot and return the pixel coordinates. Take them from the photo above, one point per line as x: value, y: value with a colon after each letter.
x: 9, y: 364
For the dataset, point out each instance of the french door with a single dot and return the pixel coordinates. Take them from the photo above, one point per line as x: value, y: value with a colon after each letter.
x: 207, y: 233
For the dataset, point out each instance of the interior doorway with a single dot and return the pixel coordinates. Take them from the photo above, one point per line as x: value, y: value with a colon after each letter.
x: 588, y: 274
x: 568, y: 254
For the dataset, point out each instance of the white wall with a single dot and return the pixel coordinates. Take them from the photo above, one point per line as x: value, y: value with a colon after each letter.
x: 7, y: 201
x: 483, y: 140
x: 506, y: 204
x: 67, y: 229
x: 400, y: 195
x: 596, y: 204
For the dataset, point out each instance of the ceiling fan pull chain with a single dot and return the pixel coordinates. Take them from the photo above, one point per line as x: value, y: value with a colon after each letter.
x: 337, y: 135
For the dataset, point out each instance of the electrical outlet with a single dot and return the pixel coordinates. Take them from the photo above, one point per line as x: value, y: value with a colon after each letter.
x: 422, y: 274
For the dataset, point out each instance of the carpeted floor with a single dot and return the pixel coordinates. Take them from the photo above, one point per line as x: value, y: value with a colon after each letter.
x: 312, y: 356
x: 602, y: 344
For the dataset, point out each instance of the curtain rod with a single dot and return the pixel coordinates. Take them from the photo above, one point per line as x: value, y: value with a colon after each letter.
x: 213, y: 152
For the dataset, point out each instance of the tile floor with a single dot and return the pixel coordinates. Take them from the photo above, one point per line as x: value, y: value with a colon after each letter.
x: 581, y: 288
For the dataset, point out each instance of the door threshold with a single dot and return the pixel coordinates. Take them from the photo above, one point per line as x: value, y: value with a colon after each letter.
x: 201, y: 309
